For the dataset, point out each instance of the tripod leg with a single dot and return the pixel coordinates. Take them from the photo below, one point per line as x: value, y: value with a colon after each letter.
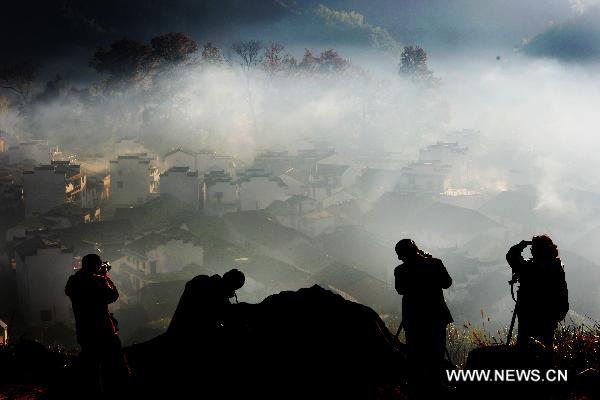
x: 512, y: 325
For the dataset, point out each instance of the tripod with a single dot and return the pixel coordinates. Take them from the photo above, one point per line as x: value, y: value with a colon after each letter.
x: 515, y: 279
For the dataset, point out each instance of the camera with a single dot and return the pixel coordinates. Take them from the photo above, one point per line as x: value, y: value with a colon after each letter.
x: 104, y: 268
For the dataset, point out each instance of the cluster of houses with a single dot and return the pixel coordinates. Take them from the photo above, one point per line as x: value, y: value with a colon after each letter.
x: 217, y: 184
x: 311, y: 190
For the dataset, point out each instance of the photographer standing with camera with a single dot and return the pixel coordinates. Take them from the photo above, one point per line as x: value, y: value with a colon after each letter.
x: 91, y: 291
x: 420, y: 280
x: 543, y: 298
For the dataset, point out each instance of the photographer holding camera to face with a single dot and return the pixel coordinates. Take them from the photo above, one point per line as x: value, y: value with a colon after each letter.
x: 543, y: 298
x: 91, y: 291
x: 420, y: 280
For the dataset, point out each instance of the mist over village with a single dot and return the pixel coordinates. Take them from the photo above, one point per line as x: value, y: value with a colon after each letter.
x: 295, y: 143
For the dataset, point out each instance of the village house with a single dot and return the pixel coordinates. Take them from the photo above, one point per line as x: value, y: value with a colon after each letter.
x: 303, y: 214
x: 445, y: 153
x: 145, y: 259
x: 258, y: 189
x: 48, y: 186
x: 130, y: 179
x: 129, y: 146
x: 337, y: 198
x: 332, y: 174
x: 275, y: 162
x: 180, y: 158
x: 68, y: 215
x: 223, y: 163
x: 42, y: 269
x: 181, y: 183
x: 295, y: 182
x: 30, y: 227
x: 10, y: 197
x: 309, y: 157
x: 204, y: 160
x: 430, y: 178
x: 95, y: 191
x: 220, y: 193
x: 451, y: 154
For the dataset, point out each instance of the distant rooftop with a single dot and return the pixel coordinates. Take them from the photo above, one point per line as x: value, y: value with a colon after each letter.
x: 179, y: 150
x: 30, y: 246
x: 180, y: 170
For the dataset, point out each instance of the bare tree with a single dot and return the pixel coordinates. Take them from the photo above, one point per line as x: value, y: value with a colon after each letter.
x: 273, y: 60
x: 18, y: 78
x: 249, y: 53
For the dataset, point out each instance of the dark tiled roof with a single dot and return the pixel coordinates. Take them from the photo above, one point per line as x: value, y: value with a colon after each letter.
x: 151, y: 241
x: 30, y: 246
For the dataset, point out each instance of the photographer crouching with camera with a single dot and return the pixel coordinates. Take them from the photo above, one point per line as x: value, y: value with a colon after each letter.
x: 91, y: 291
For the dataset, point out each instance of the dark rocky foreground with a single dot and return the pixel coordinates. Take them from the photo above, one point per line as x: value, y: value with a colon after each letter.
x: 310, y: 343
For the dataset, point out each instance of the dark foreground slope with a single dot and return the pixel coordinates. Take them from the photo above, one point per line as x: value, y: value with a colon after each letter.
x: 309, y: 343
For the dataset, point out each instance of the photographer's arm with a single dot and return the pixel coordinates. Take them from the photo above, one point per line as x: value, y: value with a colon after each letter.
x: 515, y: 258
x: 106, y: 290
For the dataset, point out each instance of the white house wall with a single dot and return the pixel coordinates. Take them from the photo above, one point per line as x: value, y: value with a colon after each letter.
x: 134, y: 176
x: 182, y: 186
x: 174, y: 255
x: 260, y: 192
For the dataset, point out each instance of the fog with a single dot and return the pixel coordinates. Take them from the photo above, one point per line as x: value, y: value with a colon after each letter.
x: 535, y: 122
x: 534, y: 115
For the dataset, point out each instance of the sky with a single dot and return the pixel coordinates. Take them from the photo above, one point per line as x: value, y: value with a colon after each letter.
x: 61, y: 35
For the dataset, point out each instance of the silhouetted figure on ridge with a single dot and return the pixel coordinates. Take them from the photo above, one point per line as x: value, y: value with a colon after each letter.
x: 91, y: 291
x: 543, y: 299
x: 420, y: 279
x: 204, y: 304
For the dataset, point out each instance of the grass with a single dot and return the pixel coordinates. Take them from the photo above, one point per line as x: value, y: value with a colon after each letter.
x: 577, y: 348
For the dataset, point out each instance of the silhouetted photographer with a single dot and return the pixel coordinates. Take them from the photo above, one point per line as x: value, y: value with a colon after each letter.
x: 204, y: 304
x: 91, y: 291
x: 543, y: 298
x: 420, y: 279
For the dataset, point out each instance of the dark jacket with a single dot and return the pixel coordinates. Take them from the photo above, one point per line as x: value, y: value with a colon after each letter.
x: 90, y: 295
x: 201, y: 308
x: 421, y: 281
x: 543, y: 293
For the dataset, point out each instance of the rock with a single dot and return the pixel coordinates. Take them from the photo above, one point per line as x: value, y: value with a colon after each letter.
x: 309, y: 343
